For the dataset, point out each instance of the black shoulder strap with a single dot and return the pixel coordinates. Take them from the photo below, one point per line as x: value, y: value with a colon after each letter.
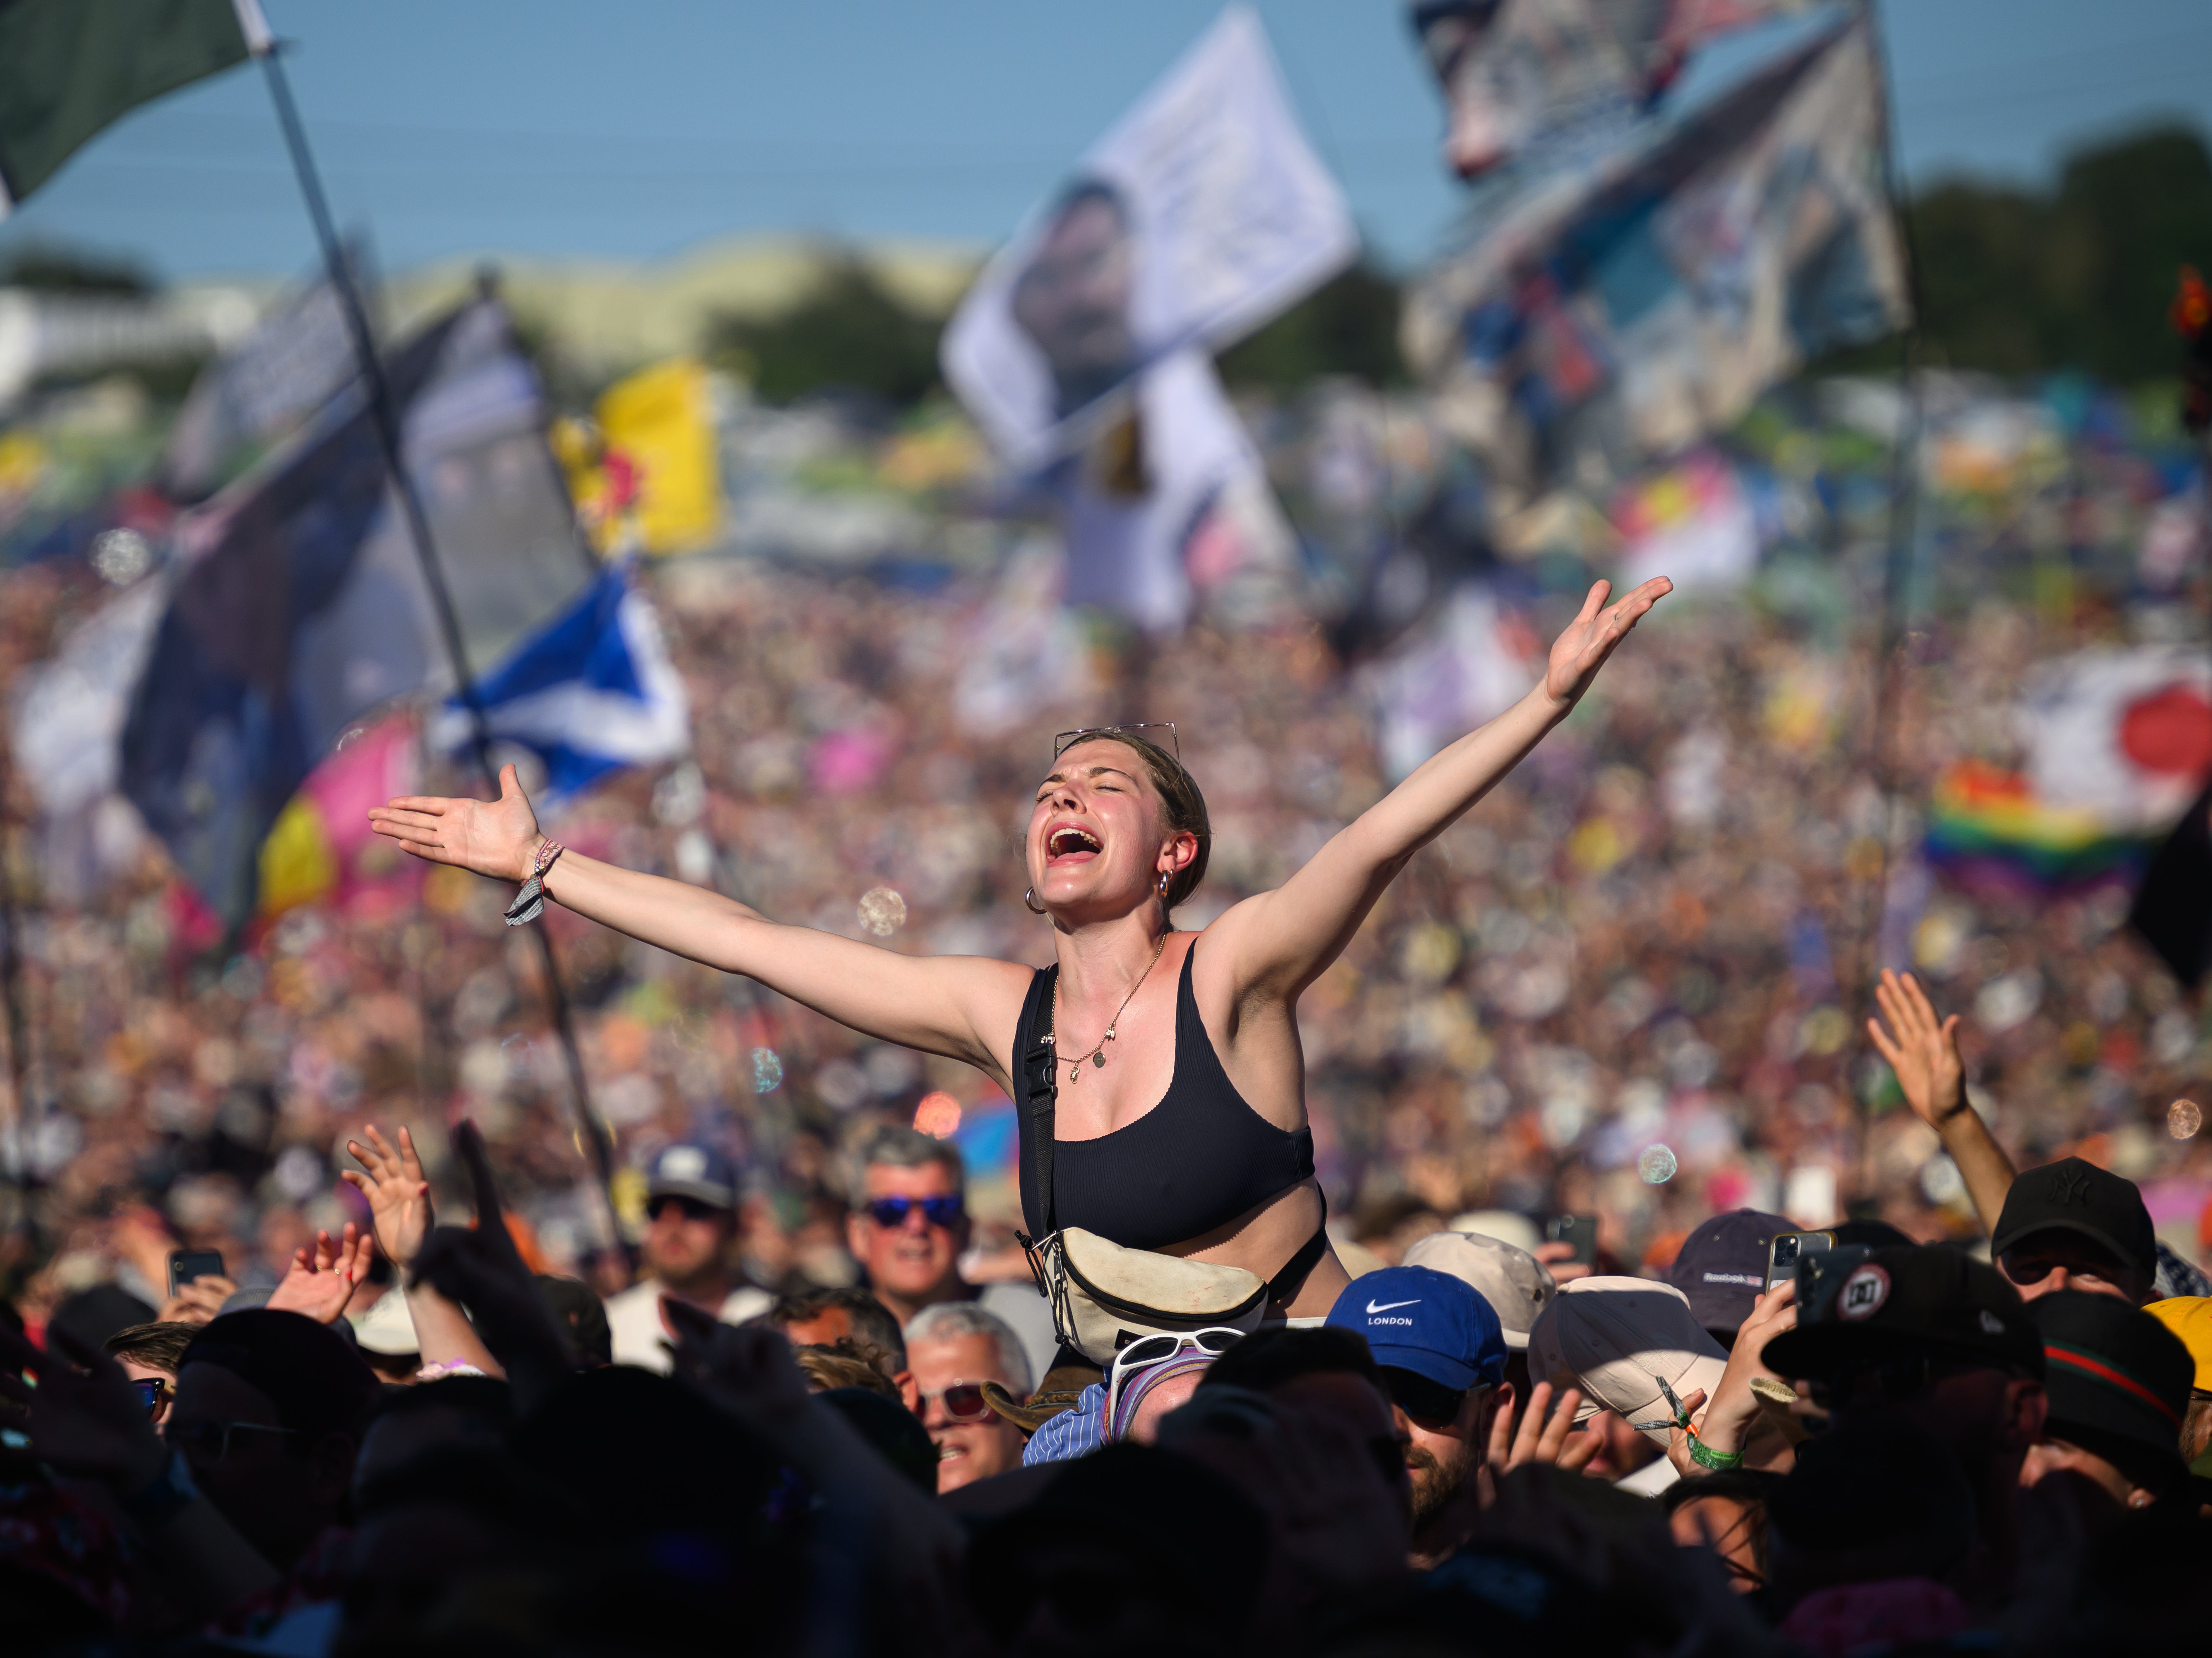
x: 1040, y: 1077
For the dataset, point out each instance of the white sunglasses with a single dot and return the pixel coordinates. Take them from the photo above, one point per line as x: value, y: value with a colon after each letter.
x: 1146, y: 1351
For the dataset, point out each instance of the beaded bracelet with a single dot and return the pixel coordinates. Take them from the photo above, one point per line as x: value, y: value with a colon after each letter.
x: 529, y: 903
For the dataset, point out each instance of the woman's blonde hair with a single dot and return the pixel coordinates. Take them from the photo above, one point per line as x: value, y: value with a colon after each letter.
x: 1179, y: 796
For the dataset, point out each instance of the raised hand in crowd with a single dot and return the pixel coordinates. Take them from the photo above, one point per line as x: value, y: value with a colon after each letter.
x: 1545, y: 1434
x: 1734, y: 1421
x: 398, y: 1195
x: 321, y: 1281
x: 1924, y: 1051
x: 479, y: 1268
x: 197, y: 1301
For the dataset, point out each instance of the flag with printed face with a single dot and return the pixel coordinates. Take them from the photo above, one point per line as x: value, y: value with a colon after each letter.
x: 1518, y: 75
x: 590, y: 693
x: 1598, y: 322
x: 68, y: 68
x: 1200, y: 215
x: 299, y: 604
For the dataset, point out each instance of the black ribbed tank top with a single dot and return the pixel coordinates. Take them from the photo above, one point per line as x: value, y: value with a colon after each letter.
x: 1200, y: 1158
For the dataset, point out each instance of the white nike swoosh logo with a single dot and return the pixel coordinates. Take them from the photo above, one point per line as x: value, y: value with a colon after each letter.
x: 1385, y: 1306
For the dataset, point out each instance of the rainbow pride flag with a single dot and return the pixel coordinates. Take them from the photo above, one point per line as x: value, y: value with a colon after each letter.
x: 1984, y: 813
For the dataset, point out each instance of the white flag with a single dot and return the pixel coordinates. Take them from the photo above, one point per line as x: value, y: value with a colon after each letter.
x: 1200, y: 215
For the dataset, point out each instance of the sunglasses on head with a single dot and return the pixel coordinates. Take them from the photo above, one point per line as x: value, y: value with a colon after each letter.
x: 964, y: 1402
x: 1147, y: 1351
x: 152, y: 1391
x: 1150, y: 730
x: 893, y: 1211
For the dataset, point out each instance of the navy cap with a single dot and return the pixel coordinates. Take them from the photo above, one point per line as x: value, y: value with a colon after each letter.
x: 1722, y: 1265
x: 698, y: 1172
x: 1429, y: 1322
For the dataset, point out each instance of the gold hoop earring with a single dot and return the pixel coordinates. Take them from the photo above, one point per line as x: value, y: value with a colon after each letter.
x: 1029, y: 902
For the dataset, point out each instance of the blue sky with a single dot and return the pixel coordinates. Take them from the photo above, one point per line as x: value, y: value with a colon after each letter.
x: 636, y: 130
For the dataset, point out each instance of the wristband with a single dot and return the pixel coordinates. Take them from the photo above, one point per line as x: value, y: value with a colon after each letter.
x: 1719, y: 1461
x: 529, y: 903
x: 169, y: 1495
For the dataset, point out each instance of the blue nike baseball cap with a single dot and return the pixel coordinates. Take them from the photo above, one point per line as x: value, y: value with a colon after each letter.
x: 1417, y: 1319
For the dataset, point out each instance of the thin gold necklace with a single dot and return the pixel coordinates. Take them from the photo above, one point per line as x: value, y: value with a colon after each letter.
x: 1097, y: 1056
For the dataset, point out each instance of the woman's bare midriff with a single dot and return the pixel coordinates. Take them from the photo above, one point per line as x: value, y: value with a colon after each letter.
x: 1263, y: 1239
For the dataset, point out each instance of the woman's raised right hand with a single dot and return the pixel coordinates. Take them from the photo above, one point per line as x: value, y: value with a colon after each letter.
x: 497, y: 838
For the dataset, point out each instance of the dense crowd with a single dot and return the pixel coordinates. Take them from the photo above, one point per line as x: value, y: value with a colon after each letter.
x: 1895, y: 1447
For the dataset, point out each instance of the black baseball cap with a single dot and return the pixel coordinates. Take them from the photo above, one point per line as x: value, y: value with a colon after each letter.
x: 2119, y: 1382
x: 1867, y: 1306
x: 2072, y: 1195
x: 1722, y: 1267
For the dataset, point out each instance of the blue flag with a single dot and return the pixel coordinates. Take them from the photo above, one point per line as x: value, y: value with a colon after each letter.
x: 592, y: 692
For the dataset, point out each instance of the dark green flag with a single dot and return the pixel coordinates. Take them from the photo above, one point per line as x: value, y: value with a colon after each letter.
x: 69, y: 67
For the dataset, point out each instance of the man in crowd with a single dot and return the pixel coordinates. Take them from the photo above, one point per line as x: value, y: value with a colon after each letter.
x: 823, y: 1318
x: 691, y: 1227
x: 952, y: 1349
x: 150, y: 1355
x: 908, y: 1228
x: 1442, y: 1359
x: 1930, y: 1337
x: 2071, y: 1225
x: 2118, y: 1383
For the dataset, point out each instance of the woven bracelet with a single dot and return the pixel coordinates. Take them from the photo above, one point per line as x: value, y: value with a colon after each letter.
x: 1719, y: 1461
x: 529, y: 903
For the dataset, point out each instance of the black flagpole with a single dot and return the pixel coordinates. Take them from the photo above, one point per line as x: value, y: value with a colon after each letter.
x: 1897, y: 582
x: 384, y: 419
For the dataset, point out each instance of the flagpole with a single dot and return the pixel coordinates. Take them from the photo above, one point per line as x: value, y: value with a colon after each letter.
x: 384, y: 420
x: 1897, y: 580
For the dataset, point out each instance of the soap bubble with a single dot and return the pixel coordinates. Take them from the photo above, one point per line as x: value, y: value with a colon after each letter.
x: 1656, y: 1165
x: 2183, y: 1119
x: 121, y: 557
x: 883, y: 912
x: 768, y: 1070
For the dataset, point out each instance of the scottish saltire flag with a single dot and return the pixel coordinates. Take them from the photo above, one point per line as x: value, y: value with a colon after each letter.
x: 590, y: 692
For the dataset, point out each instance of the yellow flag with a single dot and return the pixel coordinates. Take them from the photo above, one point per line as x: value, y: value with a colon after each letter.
x: 298, y: 864
x: 661, y: 419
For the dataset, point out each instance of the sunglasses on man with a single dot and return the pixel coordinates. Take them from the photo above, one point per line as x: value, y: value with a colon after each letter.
x: 692, y: 1208
x: 937, y: 1212
x: 153, y: 1392
x: 964, y: 1402
x: 210, y: 1443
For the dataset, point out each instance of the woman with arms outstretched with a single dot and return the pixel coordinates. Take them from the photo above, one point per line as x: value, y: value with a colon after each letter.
x: 1182, y: 1118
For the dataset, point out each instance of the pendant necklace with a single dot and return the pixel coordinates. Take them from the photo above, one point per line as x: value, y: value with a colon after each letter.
x: 1097, y: 1056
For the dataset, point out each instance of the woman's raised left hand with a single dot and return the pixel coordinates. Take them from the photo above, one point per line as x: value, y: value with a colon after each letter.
x: 1581, y: 651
